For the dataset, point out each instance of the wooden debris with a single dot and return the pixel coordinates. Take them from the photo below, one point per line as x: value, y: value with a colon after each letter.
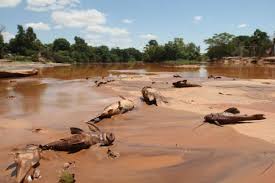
x: 184, y: 84
x: 119, y: 107
x: 81, y: 140
x: 231, y: 116
x: 152, y: 96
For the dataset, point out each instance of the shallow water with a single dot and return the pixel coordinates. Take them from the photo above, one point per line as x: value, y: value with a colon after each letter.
x: 63, y: 88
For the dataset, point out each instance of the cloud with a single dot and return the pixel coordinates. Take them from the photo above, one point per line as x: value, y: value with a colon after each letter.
x: 242, y: 26
x: 107, y: 30
x: 9, y: 3
x: 46, y: 5
x: 93, y: 25
x: 38, y: 26
x: 78, y: 18
x: 197, y: 19
x: 108, y: 40
x: 148, y: 36
x: 127, y: 21
x: 7, y: 36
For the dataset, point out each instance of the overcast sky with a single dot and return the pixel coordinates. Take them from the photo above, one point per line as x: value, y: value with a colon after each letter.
x: 131, y: 23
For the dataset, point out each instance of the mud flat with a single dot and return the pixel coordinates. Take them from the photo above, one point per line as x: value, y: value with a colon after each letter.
x: 155, y: 143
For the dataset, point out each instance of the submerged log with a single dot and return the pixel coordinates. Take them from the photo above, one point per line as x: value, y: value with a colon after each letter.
x: 119, y: 107
x: 17, y: 73
x: 81, y: 140
x: 152, y: 96
x: 184, y: 84
x: 231, y: 116
x: 26, y: 161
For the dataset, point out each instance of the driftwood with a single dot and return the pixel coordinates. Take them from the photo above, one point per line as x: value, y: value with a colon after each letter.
x: 152, y: 96
x: 119, y: 107
x: 231, y: 116
x: 26, y: 162
x: 103, y: 81
x: 184, y: 84
x: 81, y: 140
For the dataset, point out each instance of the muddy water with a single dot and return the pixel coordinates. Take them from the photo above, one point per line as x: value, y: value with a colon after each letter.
x: 59, y: 98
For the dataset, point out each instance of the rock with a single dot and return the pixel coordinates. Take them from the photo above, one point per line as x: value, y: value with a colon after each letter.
x: 214, y: 77
x: 18, y: 73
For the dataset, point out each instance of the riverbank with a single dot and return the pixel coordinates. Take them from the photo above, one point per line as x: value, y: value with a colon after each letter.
x: 9, y: 69
x: 156, y: 144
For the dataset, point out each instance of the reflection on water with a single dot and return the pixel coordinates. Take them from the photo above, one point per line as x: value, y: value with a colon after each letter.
x: 65, y: 90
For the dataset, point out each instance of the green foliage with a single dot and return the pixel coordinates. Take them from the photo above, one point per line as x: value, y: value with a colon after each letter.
x: 2, y: 45
x: 66, y: 177
x: 173, y: 50
x: 61, y: 44
x: 25, y: 42
x: 224, y: 45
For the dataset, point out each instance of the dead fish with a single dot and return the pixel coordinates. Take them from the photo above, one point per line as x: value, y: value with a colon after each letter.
x: 184, y: 84
x: 104, y: 81
x: 119, y: 107
x: 231, y: 116
x: 177, y: 76
x: 81, y: 140
x: 214, y: 77
x: 26, y: 161
x: 152, y: 96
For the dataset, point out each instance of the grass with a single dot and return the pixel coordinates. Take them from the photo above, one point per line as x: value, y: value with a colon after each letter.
x: 66, y: 177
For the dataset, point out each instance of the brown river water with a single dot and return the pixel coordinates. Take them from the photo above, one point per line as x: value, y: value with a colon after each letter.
x: 62, y: 97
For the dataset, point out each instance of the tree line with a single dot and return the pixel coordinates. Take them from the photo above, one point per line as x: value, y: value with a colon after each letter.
x: 25, y: 44
x: 221, y: 45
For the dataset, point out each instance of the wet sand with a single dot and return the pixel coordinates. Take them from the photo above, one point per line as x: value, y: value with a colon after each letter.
x: 156, y: 144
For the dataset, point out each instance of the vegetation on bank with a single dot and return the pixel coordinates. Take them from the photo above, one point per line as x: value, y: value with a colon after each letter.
x: 26, y: 46
x: 227, y: 45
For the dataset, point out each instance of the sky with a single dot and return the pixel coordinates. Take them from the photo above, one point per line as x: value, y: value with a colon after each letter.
x: 132, y: 23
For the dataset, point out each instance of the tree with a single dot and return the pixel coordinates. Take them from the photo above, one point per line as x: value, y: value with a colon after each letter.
x: 261, y: 41
x: 61, y: 44
x: 153, y: 52
x: 80, y: 50
x: 219, y: 45
x: 2, y: 45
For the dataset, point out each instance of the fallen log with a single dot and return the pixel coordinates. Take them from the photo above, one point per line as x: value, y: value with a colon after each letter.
x: 81, y: 140
x: 231, y: 116
x: 26, y: 162
x: 12, y: 73
x: 117, y: 108
x: 152, y: 96
x: 184, y: 84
